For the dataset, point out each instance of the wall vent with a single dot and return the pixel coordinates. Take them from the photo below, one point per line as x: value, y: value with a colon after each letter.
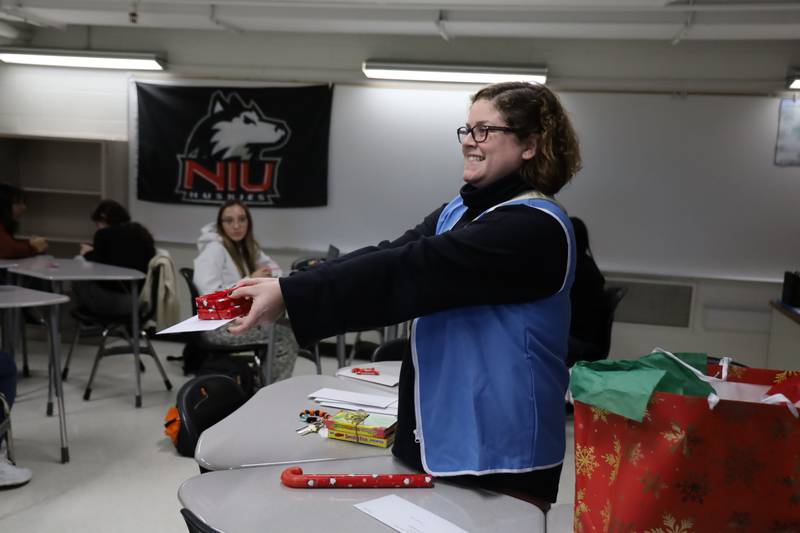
x: 654, y: 303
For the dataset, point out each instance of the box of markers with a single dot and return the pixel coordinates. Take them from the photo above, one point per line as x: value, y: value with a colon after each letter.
x: 361, y: 438
x: 370, y: 424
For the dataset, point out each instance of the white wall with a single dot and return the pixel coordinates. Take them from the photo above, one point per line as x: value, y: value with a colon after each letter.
x: 93, y: 104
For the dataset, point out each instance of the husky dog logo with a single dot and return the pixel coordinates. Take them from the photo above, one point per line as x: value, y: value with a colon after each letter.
x: 227, y: 154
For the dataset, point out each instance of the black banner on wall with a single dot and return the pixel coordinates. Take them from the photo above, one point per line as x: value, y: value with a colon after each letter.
x: 206, y: 145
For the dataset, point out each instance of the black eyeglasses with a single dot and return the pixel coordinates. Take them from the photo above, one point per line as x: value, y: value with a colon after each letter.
x: 480, y: 132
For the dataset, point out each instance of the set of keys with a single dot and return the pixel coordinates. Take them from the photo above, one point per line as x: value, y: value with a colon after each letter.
x: 314, y: 419
x: 313, y: 427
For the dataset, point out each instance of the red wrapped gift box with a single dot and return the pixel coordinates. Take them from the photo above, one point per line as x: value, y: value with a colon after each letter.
x: 219, y: 306
x: 689, y: 469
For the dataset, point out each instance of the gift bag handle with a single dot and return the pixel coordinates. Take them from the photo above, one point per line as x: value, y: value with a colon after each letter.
x: 724, y: 362
x: 713, y: 399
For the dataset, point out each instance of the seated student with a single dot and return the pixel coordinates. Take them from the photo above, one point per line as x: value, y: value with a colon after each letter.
x: 12, y: 206
x: 589, y: 314
x: 118, y: 242
x: 228, y: 253
x: 10, y: 475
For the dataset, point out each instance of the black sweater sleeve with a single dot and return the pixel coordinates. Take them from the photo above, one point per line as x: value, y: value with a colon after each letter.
x: 512, y: 254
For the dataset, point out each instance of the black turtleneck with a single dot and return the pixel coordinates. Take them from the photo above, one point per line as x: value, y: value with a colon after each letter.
x: 513, y: 254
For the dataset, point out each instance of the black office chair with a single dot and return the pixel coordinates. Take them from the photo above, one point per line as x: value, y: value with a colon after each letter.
x: 613, y: 296
x: 119, y: 327
x: 580, y: 350
x: 260, y: 351
x: 392, y: 350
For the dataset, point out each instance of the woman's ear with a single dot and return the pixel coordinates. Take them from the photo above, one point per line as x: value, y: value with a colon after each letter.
x: 531, y: 143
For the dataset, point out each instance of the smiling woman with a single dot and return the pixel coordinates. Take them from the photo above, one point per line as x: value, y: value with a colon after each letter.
x: 487, y: 277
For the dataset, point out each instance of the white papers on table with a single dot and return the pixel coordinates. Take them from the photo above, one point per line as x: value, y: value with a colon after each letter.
x: 391, y: 410
x: 356, y: 401
x: 195, y: 324
x: 402, y: 515
x: 384, y: 378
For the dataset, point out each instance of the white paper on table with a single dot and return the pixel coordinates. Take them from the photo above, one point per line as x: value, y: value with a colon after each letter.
x: 402, y: 515
x: 336, y: 395
x: 195, y: 324
x: 391, y: 410
x: 390, y: 380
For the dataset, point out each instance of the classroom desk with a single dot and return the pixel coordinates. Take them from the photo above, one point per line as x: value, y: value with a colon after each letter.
x: 57, y: 271
x: 783, y: 350
x: 253, y: 499
x: 12, y: 297
x: 262, y: 431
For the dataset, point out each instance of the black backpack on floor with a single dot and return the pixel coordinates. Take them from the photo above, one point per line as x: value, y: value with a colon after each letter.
x: 202, y: 402
x: 237, y: 368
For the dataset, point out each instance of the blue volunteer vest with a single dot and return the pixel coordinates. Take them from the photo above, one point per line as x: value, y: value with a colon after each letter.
x: 490, y: 380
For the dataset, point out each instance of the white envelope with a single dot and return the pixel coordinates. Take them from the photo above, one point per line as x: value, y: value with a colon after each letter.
x: 195, y: 324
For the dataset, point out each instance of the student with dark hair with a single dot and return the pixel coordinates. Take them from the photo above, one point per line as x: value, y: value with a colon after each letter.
x: 118, y: 242
x: 12, y: 206
x: 589, y: 315
x: 487, y: 277
x: 10, y: 475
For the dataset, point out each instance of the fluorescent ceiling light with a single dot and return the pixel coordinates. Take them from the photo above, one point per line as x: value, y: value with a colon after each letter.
x: 81, y: 59
x: 388, y: 70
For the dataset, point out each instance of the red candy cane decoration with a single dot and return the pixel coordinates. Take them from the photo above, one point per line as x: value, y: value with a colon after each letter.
x: 293, y: 477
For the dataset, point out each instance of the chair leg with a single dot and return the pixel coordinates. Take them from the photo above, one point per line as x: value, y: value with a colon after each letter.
x: 129, y: 340
x: 8, y: 434
x: 88, y: 392
x: 269, y: 364
x: 65, y: 372
x: 317, y: 360
x: 151, y: 351
x: 50, y: 388
x: 352, y: 353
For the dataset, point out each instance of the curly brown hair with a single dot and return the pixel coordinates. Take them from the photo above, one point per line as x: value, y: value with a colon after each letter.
x: 534, y: 109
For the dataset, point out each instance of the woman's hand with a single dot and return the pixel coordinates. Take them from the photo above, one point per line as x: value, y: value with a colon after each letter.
x: 86, y: 248
x: 267, y: 298
x: 38, y: 243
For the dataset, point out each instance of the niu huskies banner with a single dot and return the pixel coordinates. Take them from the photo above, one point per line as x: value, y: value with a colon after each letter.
x: 206, y: 145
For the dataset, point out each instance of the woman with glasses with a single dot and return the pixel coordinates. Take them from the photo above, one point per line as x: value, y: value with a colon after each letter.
x: 488, y: 278
x: 229, y: 252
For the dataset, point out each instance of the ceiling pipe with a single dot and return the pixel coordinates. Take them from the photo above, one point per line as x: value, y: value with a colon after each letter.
x: 212, y: 16
x: 686, y: 27
x: 440, y: 27
x: 588, y: 8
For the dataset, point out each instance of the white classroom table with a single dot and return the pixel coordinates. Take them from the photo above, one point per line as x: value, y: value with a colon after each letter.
x: 13, y: 297
x: 254, y: 500
x: 262, y: 431
x: 57, y: 271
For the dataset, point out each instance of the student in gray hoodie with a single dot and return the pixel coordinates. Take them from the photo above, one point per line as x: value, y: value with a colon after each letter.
x: 229, y: 252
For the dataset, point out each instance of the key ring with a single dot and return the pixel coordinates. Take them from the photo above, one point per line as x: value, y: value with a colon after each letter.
x: 313, y: 415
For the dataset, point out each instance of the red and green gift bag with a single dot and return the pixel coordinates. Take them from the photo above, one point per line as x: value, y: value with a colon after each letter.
x: 652, y: 456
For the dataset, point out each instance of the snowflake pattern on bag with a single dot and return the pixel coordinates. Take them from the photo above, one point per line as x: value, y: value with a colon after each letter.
x: 688, y: 469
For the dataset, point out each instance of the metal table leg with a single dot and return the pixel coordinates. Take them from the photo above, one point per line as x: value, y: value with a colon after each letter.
x: 55, y: 375
x: 135, y: 338
x: 341, y: 349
